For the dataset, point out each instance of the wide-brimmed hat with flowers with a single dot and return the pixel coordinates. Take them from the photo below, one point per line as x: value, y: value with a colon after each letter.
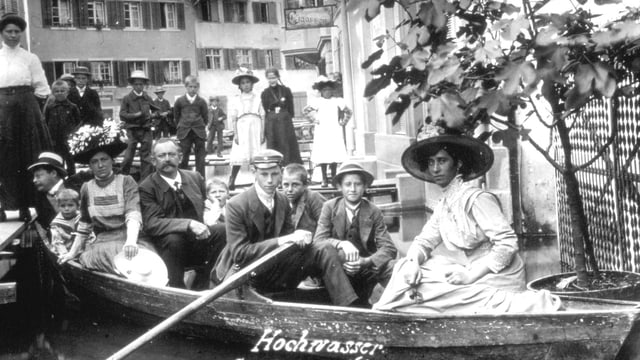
x: 244, y: 72
x: 478, y: 156
x: 89, y: 140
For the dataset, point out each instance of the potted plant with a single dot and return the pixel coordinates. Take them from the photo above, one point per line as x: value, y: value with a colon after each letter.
x: 506, y: 58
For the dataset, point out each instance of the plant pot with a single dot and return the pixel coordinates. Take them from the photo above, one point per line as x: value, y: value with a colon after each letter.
x: 628, y: 291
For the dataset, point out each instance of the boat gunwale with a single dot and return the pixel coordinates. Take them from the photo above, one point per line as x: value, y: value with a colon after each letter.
x: 634, y: 307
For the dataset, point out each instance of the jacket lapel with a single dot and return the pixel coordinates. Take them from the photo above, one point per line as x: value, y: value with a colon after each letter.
x: 339, y: 219
x: 279, y: 206
x: 255, y: 211
x: 300, y: 207
x: 366, y: 224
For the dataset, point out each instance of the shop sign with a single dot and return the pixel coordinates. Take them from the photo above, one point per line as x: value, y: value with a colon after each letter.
x: 305, y: 18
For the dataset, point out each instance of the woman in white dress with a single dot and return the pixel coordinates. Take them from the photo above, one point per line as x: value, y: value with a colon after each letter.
x: 465, y: 259
x: 247, y: 116
x: 330, y: 114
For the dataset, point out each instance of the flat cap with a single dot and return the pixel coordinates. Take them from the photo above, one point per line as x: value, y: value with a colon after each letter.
x: 266, y: 159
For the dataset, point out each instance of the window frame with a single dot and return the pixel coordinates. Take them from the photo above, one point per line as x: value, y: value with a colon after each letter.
x: 55, y: 6
x: 92, y: 19
x: 240, y: 55
x: 210, y: 57
x: 236, y: 16
x: 97, y: 76
x: 127, y: 15
x: 167, y: 65
x: 166, y: 18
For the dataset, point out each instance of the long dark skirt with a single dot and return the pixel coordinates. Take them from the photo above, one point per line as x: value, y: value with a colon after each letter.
x: 23, y: 136
x: 282, y: 137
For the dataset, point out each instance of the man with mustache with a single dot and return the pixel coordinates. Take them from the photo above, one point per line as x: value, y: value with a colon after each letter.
x: 172, y: 203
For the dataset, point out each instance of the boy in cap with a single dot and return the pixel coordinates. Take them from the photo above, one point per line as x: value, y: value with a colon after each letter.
x: 259, y: 220
x: 215, y: 126
x: 62, y: 118
x: 165, y: 114
x: 86, y: 98
x: 137, y: 112
x: 356, y: 228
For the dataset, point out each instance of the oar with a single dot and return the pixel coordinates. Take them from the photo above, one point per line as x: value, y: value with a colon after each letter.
x: 231, y: 283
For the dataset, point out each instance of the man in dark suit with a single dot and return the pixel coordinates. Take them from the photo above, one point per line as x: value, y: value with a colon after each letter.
x: 306, y: 204
x: 191, y: 115
x: 259, y: 220
x: 215, y: 126
x: 86, y: 99
x: 356, y: 228
x: 172, y: 204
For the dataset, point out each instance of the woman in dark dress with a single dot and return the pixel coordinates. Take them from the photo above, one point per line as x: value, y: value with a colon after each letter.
x: 277, y: 102
x: 23, y: 133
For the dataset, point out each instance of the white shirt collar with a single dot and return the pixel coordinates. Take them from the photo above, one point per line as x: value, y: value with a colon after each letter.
x: 136, y: 94
x: 265, y: 198
x: 352, y: 210
x: 172, y: 182
x: 54, y: 190
x: 191, y: 99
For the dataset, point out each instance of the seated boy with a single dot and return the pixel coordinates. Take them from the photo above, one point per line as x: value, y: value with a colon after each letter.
x: 64, y: 225
x: 216, y: 202
x: 356, y: 228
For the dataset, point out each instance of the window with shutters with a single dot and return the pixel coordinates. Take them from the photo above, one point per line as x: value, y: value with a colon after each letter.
x: 244, y: 58
x: 61, y: 13
x: 96, y: 14
x: 295, y: 4
x: 68, y: 67
x: 213, y: 59
x: 235, y: 11
x: 137, y: 65
x: 265, y: 12
x: 8, y: 6
x: 132, y: 15
x: 102, y: 73
x: 269, y: 58
x: 210, y: 10
x: 172, y: 71
x: 169, y: 19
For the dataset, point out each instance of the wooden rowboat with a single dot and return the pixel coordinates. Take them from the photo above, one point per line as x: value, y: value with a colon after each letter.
x: 588, y: 329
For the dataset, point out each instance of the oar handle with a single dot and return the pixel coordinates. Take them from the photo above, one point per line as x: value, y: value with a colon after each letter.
x: 229, y: 284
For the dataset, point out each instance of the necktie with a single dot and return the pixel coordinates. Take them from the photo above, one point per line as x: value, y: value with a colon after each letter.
x: 179, y: 195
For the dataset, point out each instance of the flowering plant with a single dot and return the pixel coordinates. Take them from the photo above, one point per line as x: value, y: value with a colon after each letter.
x: 90, y: 136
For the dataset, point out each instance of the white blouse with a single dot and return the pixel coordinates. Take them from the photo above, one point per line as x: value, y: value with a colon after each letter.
x: 244, y: 103
x: 469, y: 221
x: 18, y: 67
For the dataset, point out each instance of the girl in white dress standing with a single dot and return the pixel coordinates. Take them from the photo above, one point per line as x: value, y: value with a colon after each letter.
x: 330, y: 114
x: 247, y: 118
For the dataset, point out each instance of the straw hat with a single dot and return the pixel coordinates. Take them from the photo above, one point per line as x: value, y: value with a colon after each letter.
x: 146, y: 267
x: 138, y: 74
x: 81, y: 70
x: 160, y: 89
x: 12, y: 18
x: 266, y: 159
x: 244, y: 72
x: 90, y: 140
x: 323, y: 81
x: 68, y: 77
x: 478, y: 155
x: 50, y: 160
x: 352, y: 167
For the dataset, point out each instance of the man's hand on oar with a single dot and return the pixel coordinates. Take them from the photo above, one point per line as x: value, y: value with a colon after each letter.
x: 301, y: 238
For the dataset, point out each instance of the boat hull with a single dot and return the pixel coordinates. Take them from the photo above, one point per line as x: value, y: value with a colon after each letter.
x: 309, y: 329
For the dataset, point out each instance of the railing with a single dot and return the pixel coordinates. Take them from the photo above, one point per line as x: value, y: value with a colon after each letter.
x: 609, y: 187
